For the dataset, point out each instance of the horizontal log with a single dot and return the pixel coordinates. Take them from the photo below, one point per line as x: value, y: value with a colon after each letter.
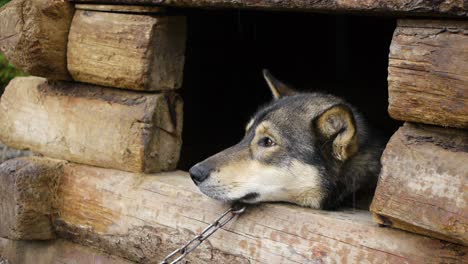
x: 47, y: 252
x: 396, y: 7
x: 34, y: 35
x: 93, y: 125
x: 144, y: 217
x: 27, y: 191
x: 121, y: 8
x: 133, y: 51
x: 428, y: 72
x: 423, y: 185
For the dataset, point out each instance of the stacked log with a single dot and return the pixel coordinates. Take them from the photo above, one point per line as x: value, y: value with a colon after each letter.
x: 143, y: 217
x: 127, y: 47
x: 423, y: 186
x: 103, y: 94
x: 94, y: 125
x: 57, y: 251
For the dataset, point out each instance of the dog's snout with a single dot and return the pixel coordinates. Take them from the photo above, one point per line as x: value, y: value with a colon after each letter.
x: 199, y: 173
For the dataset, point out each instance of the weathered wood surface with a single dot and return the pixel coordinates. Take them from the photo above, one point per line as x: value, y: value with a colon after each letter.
x: 133, y: 51
x: 396, y: 7
x: 27, y: 191
x: 93, y: 125
x: 52, y: 252
x: 428, y: 72
x: 34, y: 35
x: 423, y: 186
x: 121, y: 8
x: 144, y: 217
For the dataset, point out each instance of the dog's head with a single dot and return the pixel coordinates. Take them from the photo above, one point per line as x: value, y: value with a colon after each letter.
x: 290, y: 152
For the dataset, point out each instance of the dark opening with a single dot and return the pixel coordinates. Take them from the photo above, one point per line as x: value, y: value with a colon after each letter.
x: 226, y: 51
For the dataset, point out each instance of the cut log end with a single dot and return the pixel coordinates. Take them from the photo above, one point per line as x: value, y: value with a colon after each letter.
x: 27, y: 192
x: 34, y: 36
x: 132, y: 51
x: 428, y: 72
x: 422, y: 186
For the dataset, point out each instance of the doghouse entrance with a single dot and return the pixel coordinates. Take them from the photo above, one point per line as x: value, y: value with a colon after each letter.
x: 226, y: 50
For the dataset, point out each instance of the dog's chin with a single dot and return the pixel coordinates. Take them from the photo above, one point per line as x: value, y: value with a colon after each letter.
x: 249, y: 198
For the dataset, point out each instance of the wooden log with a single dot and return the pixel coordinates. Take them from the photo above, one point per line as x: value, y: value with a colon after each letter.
x: 88, y: 124
x: 27, y: 191
x: 34, y: 35
x: 133, y: 51
x: 144, y: 217
x: 423, y: 186
x: 122, y: 8
x: 428, y: 72
x: 393, y: 7
x: 47, y: 252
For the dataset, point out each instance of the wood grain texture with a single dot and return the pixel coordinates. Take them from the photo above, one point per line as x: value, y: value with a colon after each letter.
x: 144, y: 217
x: 428, y: 72
x: 423, y: 186
x: 133, y: 51
x: 52, y: 252
x: 121, y: 8
x: 27, y: 190
x: 395, y: 7
x: 88, y: 124
x: 34, y: 35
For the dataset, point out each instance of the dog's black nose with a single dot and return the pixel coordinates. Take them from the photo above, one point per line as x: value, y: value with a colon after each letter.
x: 199, y: 173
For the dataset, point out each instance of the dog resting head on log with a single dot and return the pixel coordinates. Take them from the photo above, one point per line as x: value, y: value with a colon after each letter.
x: 312, y: 149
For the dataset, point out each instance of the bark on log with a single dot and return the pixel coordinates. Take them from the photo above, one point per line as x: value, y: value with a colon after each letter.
x: 47, y: 252
x: 428, y: 72
x: 34, y: 35
x: 423, y: 186
x: 93, y: 125
x: 27, y: 191
x: 395, y: 7
x: 144, y: 217
x: 133, y: 51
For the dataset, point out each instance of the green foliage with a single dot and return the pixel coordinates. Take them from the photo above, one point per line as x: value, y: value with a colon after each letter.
x: 7, y: 72
x: 2, y: 2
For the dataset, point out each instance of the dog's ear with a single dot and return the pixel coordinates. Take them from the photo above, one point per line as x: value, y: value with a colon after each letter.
x: 337, y: 124
x: 278, y: 88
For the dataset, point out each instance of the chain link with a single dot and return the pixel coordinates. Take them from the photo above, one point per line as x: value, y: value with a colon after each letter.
x: 184, y: 250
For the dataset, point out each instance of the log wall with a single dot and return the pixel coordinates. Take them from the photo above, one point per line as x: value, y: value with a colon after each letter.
x: 125, y: 50
x: 144, y: 217
x: 428, y: 72
x: 423, y: 186
x: 58, y: 251
x: 34, y: 36
x: 94, y: 125
x: 387, y: 7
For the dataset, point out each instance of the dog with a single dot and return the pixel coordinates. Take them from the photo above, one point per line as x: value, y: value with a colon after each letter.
x: 310, y: 149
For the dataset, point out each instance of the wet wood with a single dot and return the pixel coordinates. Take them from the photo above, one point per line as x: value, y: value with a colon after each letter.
x: 132, y: 51
x: 144, y: 217
x: 93, y: 125
x: 423, y: 185
x: 428, y: 72
x: 47, y: 252
x: 387, y: 7
x: 27, y: 191
x: 34, y: 35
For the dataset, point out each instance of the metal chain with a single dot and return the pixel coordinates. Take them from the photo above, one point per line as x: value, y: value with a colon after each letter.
x: 184, y: 250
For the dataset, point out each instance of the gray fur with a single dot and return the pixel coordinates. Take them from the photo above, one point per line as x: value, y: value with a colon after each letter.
x: 293, y: 118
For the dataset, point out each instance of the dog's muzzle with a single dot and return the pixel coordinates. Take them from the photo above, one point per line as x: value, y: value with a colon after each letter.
x: 199, y: 173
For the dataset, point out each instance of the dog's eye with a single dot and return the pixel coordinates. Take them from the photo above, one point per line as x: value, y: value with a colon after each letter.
x: 266, y: 142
